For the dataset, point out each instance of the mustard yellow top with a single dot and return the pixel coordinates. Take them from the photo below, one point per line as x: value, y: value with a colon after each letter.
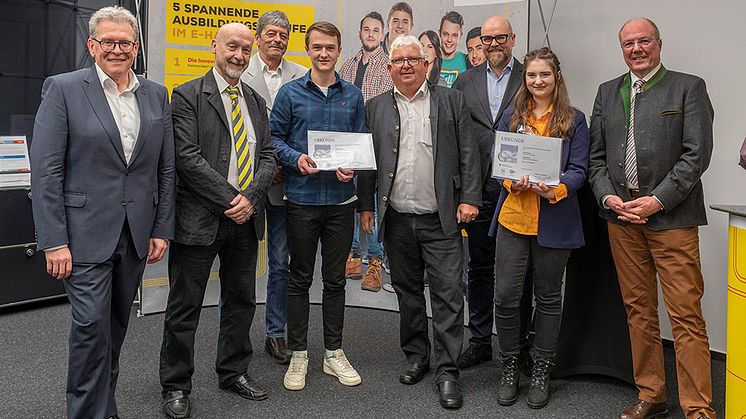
x: 520, y: 211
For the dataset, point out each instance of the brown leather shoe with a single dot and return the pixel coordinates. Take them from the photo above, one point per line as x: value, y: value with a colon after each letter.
x: 354, y: 267
x: 372, y: 278
x: 644, y: 410
x: 278, y: 350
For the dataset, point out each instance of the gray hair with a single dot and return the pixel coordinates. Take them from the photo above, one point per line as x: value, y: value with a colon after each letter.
x: 116, y: 14
x: 403, y: 41
x: 274, y: 18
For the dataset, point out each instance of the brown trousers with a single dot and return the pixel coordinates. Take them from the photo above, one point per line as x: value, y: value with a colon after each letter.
x: 639, y: 253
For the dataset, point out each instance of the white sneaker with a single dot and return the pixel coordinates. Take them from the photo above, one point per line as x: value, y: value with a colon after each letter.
x: 295, y: 377
x: 338, y: 366
x: 388, y: 287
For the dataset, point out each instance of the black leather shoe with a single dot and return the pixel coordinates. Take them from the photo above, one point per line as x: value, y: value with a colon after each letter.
x: 247, y: 388
x: 113, y: 417
x: 450, y: 395
x: 278, y: 350
x: 176, y: 405
x: 473, y: 355
x: 413, y: 373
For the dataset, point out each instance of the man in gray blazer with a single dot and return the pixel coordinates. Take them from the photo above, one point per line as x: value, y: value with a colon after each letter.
x: 651, y: 141
x: 225, y: 163
x: 488, y: 89
x: 102, y: 162
x: 428, y: 182
x: 265, y: 74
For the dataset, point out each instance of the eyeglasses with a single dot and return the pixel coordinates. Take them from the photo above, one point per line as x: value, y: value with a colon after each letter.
x: 643, y: 43
x: 109, y: 45
x: 413, y: 61
x: 500, y: 38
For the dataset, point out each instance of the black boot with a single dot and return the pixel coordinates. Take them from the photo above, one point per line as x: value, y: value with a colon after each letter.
x: 507, y: 393
x: 538, y: 393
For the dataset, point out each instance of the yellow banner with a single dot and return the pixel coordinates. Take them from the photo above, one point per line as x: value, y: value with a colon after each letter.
x: 735, y: 377
x: 188, y: 61
x: 196, y: 22
x: 171, y: 81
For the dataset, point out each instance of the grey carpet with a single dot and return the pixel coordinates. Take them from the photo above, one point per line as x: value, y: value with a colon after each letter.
x: 33, y: 358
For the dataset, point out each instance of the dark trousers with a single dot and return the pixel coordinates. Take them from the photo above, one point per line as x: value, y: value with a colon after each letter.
x: 416, y: 244
x: 101, y: 296
x: 480, y: 285
x: 188, y: 273
x: 306, y: 226
x: 518, y: 252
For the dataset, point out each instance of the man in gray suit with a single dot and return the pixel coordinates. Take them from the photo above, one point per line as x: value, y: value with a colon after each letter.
x: 265, y: 74
x: 428, y: 181
x: 488, y: 89
x: 651, y: 141
x: 225, y: 163
x: 102, y: 162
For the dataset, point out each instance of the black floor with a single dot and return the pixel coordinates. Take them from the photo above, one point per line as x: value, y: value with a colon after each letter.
x: 33, y: 358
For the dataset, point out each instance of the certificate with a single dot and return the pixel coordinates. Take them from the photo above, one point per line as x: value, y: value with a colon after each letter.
x: 349, y: 150
x: 15, y: 169
x: 516, y: 155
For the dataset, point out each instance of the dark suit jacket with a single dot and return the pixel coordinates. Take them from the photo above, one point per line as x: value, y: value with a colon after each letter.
x: 457, y: 174
x: 673, y: 136
x: 560, y: 226
x: 81, y: 184
x: 473, y: 83
x: 203, y: 147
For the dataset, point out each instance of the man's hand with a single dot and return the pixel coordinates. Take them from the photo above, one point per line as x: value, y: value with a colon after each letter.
x: 156, y: 249
x: 345, y: 175
x: 466, y: 213
x: 368, y: 221
x: 520, y: 185
x: 306, y: 165
x: 241, y: 209
x: 543, y: 190
x: 59, y: 262
x: 279, y: 176
x: 643, y: 207
x: 616, y: 204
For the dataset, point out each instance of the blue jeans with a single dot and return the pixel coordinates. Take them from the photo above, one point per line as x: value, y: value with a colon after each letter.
x: 374, y: 247
x: 277, y: 278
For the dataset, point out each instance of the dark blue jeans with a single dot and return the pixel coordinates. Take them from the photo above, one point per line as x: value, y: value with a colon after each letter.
x: 277, y: 277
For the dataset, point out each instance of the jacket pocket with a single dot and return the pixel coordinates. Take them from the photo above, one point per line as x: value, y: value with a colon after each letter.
x: 670, y: 112
x: 75, y: 200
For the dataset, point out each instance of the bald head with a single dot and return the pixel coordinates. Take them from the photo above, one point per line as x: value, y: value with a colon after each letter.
x: 498, y: 41
x: 644, y: 22
x: 232, y: 48
x: 497, y: 22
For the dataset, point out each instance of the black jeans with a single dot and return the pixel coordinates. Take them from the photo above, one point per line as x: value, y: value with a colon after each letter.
x: 188, y: 272
x: 480, y: 285
x: 518, y: 252
x: 416, y: 244
x: 306, y: 226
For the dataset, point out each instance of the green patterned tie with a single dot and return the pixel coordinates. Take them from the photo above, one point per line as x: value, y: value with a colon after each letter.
x: 243, y: 156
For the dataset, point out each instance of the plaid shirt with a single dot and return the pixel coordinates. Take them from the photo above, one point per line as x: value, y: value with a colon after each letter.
x: 301, y: 106
x: 376, y: 79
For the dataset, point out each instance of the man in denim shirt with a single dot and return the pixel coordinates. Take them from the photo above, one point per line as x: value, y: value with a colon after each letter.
x: 320, y: 205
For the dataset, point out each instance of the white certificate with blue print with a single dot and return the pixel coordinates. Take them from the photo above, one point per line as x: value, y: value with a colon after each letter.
x: 348, y: 150
x: 516, y: 155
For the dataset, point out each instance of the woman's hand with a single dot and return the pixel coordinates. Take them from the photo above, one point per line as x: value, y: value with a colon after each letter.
x: 543, y: 190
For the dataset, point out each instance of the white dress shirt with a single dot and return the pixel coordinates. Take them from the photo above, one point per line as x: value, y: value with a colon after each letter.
x: 248, y: 126
x: 413, y: 191
x: 124, y: 109
x: 273, y: 79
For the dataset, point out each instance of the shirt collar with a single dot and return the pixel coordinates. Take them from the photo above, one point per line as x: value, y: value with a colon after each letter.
x: 420, y: 94
x: 265, y: 67
x: 134, y: 83
x: 222, y: 84
x: 506, y: 71
x: 308, y: 82
x: 647, y: 77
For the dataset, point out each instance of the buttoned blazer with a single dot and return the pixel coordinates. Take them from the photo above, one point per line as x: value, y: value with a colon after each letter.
x: 203, y: 146
x: 473, y: 83
x: 560, y: 226
x: 83, y: 189
x: 455, y: 155
x: 673, y: 139
x: 255, y: 79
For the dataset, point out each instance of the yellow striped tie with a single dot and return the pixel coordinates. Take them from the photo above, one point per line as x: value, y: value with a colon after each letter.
x: 243, y: 155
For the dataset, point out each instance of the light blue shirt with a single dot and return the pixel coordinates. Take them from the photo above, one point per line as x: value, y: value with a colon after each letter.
x: 496, y: 87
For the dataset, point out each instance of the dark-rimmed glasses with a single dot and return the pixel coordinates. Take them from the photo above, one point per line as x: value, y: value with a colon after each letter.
x: 108, y: 45
x: 413, y: 61
x: 500, y: 38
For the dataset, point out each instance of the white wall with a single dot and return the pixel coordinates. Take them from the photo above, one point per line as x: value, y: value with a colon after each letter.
x: 702, y: 38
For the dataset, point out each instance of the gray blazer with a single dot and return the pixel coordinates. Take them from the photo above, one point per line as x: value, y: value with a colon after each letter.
x: 457, y: 174
x: 203, y: 147
x: 82, y: 187
x: 673, y: 136
x: 255, y: 79
x: 473, y: 83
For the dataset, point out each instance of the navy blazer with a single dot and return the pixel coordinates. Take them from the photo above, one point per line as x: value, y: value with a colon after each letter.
x: 560, y: 226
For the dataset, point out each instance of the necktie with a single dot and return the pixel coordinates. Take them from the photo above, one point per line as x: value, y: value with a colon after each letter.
x: 630, y: 159
x: 243, y: 156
